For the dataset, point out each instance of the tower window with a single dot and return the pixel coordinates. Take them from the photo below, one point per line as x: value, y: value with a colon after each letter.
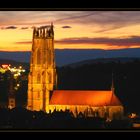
x: 38, y: 57
x: 38, y: 95
x: 44, y: 60
x: 38, y: 78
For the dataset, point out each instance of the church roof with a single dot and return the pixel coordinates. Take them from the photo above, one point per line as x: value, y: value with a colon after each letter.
x: 84, y: 97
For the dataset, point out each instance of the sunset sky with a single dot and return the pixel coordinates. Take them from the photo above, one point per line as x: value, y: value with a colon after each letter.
x: 73, y: 29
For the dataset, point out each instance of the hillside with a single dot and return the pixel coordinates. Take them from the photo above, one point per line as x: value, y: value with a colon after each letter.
x: 98, y: 76
x: 104, y: 60
x: 68, y: 56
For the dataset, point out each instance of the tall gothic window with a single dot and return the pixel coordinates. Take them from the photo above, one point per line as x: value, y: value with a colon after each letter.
x: 43, y: 77
x: 44, y: 60
x: 38, y: 95
x: 49, y: 77
x: 49, y: 57
x: 38, y: 57
x: 38, y: 78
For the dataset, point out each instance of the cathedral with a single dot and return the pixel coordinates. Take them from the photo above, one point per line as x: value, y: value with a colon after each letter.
x: 42, y: 84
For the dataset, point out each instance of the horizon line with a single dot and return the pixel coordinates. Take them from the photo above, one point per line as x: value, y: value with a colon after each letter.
x: 76, y: 49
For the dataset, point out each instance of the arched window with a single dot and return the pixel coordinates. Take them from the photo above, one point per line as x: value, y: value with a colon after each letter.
x: 49, y: 77
x: 38, y: 94
x: 45, y: 56
x: 49, y: 57
x: 43, y: 77
x: 38, y: 78
x: 38, y: 57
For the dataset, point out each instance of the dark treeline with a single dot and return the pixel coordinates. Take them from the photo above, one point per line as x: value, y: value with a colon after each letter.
x: 21, y: 118
x: 98, y: 76
x: 4, y: 86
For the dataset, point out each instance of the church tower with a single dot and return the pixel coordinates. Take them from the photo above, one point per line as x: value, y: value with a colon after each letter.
x: 42, y: 76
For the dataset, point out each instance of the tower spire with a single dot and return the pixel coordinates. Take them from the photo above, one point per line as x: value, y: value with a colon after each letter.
x: 51, y: 23
x: 112, y: 89
x: 112, y: 84
x: 52, y: 32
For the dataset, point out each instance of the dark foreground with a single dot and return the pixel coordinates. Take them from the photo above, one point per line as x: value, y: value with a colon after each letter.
x: 23, y: 119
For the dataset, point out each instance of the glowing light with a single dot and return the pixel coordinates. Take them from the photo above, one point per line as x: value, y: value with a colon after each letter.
x: 132, y: 115
x: 5, y: 66
x: 2, y: 70
x: 16, y: 88
x: 15, y: 75
x: 18, y: 73
x: 18, y: 85
x: 20, y: 67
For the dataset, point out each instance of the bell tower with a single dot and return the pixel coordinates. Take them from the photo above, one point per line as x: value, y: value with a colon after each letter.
x: 42, y: 76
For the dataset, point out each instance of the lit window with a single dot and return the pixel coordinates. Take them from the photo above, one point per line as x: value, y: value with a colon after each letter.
x: 38, y: 95
x: 38, y: 57
x: 38, y: 78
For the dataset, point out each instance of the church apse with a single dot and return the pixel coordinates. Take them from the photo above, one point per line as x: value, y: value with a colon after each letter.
x: 42, y: 76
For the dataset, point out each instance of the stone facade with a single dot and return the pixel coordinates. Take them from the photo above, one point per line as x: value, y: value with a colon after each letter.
x: 110, y: 112
x: 42, y: 76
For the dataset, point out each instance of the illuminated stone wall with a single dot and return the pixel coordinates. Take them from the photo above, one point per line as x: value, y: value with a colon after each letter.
x: 42, y: 76
x: 110, y: 112
x: 116, y: 112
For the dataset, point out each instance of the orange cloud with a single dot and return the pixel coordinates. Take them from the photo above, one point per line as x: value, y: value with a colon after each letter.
x: 129, y: 41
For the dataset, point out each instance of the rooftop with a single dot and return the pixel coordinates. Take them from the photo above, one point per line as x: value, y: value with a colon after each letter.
x: 84, y: 97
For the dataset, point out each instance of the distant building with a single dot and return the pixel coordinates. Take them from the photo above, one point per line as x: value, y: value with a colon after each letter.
x: 11, y: 95
x: 42, y: 83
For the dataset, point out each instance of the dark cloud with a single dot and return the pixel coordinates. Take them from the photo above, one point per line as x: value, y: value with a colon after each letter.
x: 66, y: 27
x: 24, y: 28
x: 10, y: 27
x: 79, y: 16
x: 106, y: 20
x: 24, y: 42
x: 124, y: 41
x: 129, y: 41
